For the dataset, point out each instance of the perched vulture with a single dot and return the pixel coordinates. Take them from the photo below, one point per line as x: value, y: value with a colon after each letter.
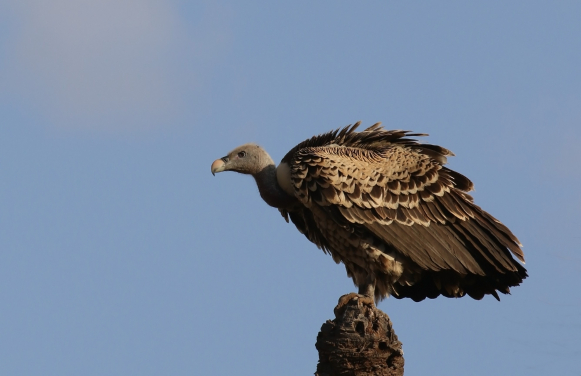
x: 384, y: 205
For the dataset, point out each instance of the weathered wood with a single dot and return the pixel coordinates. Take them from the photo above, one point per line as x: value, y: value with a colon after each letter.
x: 359, y: 342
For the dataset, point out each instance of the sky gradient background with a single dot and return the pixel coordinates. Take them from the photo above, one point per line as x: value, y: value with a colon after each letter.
x: 120, y: 254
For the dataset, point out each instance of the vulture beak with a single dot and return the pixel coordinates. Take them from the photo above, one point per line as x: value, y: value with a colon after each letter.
x: 218, y: 166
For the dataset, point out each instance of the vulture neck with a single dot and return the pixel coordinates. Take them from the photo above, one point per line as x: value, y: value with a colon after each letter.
x: 270, y: 190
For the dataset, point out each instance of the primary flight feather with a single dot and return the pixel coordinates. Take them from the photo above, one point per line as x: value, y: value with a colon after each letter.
x: 385, y: 206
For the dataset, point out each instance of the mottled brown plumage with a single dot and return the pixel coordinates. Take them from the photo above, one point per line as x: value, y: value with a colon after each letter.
x: 386, y: 207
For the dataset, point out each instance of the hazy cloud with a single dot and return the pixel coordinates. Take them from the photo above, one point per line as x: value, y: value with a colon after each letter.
x: 108, y: 64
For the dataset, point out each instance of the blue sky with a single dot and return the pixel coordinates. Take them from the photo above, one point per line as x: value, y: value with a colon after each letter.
x: 121, y: 254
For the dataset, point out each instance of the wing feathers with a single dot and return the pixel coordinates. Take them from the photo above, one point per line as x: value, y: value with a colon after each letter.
x: 400, y: 193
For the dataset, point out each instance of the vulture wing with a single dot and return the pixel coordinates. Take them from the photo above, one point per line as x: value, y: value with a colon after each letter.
x: 377, y: 197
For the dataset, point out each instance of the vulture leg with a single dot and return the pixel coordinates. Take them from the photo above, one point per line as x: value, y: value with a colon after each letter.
x: 367, y: 289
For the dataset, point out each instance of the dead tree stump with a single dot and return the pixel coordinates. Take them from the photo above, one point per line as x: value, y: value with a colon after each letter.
x: 359, y: 342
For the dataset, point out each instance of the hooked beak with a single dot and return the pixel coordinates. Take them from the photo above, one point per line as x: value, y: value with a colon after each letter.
x: 218, y: 166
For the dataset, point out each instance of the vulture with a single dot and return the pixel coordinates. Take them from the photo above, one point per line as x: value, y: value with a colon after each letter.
x: 386, y: 206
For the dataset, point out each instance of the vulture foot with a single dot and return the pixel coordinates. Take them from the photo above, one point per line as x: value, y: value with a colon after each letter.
x: 357, y: 299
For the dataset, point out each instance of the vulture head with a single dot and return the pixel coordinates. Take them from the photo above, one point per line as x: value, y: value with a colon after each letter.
x: 247, y: 159
x: 251, y: 159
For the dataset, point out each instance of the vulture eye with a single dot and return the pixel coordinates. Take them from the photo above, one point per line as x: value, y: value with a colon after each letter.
x: 242, y: 154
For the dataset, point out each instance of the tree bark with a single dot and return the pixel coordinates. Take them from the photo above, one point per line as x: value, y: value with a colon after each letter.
x: 359, y: 342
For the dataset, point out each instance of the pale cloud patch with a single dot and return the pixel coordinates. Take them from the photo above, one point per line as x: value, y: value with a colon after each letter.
x: 109, y: 64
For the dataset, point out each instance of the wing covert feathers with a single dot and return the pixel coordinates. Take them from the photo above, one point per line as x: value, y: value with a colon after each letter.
x: 382, y: 190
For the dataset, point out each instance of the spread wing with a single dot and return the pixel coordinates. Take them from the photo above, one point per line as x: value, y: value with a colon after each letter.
x: 398, y: 190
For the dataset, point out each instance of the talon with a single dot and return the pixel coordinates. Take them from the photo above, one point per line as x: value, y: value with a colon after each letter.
x: 345, y: 299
